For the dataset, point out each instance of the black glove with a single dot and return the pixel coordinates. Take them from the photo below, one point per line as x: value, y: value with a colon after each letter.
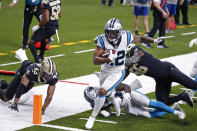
x: 43, y: 112
x: 14, y: 107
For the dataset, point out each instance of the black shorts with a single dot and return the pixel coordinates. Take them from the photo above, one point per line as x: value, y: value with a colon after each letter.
x: 43, y: 33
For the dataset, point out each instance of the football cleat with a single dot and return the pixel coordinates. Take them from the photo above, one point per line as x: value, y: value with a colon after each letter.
x: 90, y: 122
x: 185, y: 97
x: 181, y: 115
x: 3, y: 84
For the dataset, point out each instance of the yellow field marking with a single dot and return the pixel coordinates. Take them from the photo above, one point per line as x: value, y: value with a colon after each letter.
x: 84, y: 41
x: 54, y: 46
x: 13, y: 51
x: 193, y: 6
x: 3, y: 53
x: 70, y: 43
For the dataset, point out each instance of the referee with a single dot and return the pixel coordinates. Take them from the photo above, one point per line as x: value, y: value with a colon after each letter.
x: 160, y: 15
x: 32, y: 8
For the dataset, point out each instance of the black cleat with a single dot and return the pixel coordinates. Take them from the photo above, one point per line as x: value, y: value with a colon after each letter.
x: 185, y: 97
x: 3, y: 84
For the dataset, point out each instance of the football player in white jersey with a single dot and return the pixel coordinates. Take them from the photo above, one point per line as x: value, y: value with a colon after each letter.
x: 135, y: 105
x: 112, y: 73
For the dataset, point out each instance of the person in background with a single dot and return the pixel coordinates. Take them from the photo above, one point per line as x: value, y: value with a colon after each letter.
x: 160, y: 15
x: 110, y: 2
x: 141, y: 9
x: 183, y: 6
x: 172, y: 10
x: 51, y: 12
x: 32, y: 8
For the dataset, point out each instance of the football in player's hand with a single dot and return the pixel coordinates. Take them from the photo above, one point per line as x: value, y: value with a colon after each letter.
x: 106, y: 53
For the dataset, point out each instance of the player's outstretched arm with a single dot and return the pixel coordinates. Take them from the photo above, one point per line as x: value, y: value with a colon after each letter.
x: 50, y: 92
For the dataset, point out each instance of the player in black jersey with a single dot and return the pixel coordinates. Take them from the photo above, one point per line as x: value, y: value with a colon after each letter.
x: 164, y: 73
x: 47, y: 27
x: 25, y: 77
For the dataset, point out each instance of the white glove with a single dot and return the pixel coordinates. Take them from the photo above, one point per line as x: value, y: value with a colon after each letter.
x: 35, y: 28
x: 192, y: 42
x: 105, y: 113
x: 158, y: 40
x: 112, y: 56
x: 126, y: 99
x: 116, y: 103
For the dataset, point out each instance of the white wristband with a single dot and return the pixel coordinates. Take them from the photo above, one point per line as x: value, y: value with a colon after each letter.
x: 14, y: 1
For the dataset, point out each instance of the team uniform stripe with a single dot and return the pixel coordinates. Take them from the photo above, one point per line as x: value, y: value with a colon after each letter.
x: 128, y: 37
x: 101, y: 41
x: 118, y: 82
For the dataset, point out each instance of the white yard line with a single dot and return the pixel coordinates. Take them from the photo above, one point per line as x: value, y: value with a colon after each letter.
x: 84, y: 51
x: 190, y: 33
x: 61, y: 127
x: 112, y: 122
x: 13, y: 63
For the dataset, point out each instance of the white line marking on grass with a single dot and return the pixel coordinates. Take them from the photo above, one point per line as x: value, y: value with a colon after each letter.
x: 112, y: 122
x: 185, y: 89
x: 84, y: 51
x: 190, y: 33
x: 13, y: 63
x: 61, y: 127
x: 166, y: 37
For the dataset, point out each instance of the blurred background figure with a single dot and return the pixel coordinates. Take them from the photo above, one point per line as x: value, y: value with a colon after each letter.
x: 110, y: 2
x: 183, y: 6
x: 141, y: 9
x: 32, y: 8
x: 160, y: 15
x: 172, y: 11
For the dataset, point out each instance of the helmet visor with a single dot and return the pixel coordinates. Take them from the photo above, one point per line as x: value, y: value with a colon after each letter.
x: 112, y: 34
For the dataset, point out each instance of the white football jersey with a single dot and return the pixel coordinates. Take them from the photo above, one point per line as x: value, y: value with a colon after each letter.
x: 121, y: 46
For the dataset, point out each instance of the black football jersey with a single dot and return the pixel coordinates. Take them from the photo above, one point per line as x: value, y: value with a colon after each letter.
x: 33, y: 74
x: 149, y: 66
x: 54, y: 8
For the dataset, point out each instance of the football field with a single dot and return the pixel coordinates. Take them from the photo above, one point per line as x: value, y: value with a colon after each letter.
x: 81, y: 22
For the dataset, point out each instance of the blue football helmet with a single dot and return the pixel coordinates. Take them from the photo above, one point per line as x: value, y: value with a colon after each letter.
x: 90, y: 94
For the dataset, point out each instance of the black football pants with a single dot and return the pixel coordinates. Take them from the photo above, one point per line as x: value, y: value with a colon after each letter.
x: 163, y: 86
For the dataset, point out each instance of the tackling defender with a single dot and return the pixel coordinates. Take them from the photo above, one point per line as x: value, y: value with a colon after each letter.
x: 47, y: 27
x: 164, y: 73
x: 112, y: 73
x: 25, y: 77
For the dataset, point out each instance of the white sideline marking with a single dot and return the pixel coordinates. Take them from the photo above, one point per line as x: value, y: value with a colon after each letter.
x: 84, y: 51
x: 190, y: 33
x: 12, y: 63
x: 185, y: 89
x: 166, y: 37
x: 61, y: 127
x: 112, y: 122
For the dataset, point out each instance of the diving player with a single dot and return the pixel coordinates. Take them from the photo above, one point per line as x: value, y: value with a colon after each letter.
x: 112, y: 73
x: 164, y: 73
x: 25, y: 77
x: 50, y: 14
x: 134, y: 105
